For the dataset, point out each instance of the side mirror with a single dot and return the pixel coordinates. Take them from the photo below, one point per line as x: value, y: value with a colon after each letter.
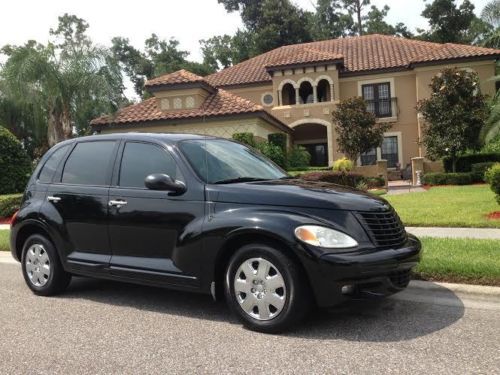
x: 160, y: 181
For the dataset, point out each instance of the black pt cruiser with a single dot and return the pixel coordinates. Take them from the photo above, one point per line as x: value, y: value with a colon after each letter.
x: 207, y: 215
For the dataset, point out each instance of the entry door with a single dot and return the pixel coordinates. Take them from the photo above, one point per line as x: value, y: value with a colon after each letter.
x: 147, y: 227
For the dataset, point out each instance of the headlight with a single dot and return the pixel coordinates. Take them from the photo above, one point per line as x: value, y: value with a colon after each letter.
x: 324, y: 237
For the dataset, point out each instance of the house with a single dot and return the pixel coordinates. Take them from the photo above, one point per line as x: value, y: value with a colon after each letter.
x: 293, y: 90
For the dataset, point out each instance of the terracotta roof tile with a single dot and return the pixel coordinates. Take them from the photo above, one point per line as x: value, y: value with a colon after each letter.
x: 217, y: 104
x: 304, y: 55
x: 360, y: 54
x: 178, y: 77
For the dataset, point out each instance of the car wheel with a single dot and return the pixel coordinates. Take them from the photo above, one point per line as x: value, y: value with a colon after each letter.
x: 266, y: 289
x: 42, y: 269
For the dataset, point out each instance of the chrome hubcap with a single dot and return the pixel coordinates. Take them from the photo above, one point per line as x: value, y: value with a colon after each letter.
x: 37, y: 265
x: 260, y: 289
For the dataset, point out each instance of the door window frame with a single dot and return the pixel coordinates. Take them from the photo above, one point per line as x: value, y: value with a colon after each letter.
x: 398, y: 135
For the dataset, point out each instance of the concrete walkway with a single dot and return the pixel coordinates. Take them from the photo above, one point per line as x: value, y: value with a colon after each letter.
x: 4, y: 226
x: 478, y: 233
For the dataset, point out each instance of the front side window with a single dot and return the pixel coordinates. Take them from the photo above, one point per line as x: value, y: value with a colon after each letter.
x: 389, y: 151
x: 140, y: 160
x: 88, y: 163
x: 378, y: 99
x: 219, y: 161
x: 51, y: 164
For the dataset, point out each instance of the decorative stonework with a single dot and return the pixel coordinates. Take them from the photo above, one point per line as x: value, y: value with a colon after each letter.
x: 165, y: 104
x: 189, y: 102
x: 177, y: 103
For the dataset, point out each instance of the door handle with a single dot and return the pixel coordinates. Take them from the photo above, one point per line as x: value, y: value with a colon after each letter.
x: 117, y: 203
x: 53, y: 199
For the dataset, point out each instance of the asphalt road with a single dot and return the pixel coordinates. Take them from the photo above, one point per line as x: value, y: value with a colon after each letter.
x: 105, y: 327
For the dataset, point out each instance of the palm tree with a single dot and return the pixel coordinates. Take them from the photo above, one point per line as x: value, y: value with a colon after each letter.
x: 491, y: 128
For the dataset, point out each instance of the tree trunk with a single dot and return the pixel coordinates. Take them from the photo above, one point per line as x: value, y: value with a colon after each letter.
x: 59, y: 127
x: 358, y: 11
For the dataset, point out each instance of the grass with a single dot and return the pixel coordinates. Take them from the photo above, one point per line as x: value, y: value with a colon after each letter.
x: 448, y: 206
x: 4, y: 240
x: 469, y: 261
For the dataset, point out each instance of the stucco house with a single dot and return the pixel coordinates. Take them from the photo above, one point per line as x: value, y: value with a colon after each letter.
x: 293, y: 90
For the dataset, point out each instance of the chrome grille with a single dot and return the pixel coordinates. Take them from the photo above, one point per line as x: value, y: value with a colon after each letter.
x: 385, y: 228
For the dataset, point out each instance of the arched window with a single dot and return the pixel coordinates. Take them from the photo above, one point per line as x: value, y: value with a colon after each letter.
x: 288, y: 94
x: 306, y: 93
x: 324, y: 93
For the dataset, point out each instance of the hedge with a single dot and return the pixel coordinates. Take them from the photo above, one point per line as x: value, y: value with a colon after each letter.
x: 9, y: 204
x: 447, y: 179
x: 339, y: 178
x: 278, y: 139
x: 479, y: 169
x: 464, y: 162
x: 493, y: 178
x: 15, y: 165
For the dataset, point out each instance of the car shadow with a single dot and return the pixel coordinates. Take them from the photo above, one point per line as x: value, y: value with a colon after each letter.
x: 398, y: 318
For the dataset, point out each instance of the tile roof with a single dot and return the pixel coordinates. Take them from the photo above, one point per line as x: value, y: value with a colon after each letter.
x: 219, y: 103
x: 178, y: 77
x: 360, y: 54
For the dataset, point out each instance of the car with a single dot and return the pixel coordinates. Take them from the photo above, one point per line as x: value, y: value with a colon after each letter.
x: 209, y: 215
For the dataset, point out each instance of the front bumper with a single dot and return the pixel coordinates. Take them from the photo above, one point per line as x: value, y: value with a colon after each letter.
x: 370, y: 273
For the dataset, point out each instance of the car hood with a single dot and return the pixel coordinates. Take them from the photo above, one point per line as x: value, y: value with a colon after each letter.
x: 296, y: 193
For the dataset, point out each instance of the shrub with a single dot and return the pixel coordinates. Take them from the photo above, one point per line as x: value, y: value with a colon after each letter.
x: 374, y: 182
x: 343, y: 165
x: 339, y: 178
x: 447, y: 179
x: 246, y: 138
x: 492, y: 146
x: 278, y: 139
x: 273, y: 152
x: 464, y: 162
x: 9, y: 204
x: 478, y: 170
x: 15, y: 165
x: 493, y: 178
x: 298, y: 158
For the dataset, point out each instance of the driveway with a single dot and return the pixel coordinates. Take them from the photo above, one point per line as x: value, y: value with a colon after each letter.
x: 107, y: 327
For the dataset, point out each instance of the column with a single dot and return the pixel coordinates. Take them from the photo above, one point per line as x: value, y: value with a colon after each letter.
x: 297, y: 96
x: 315, y: 94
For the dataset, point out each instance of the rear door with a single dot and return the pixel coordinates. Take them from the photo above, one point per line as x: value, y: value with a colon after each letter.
x: 78, y: 199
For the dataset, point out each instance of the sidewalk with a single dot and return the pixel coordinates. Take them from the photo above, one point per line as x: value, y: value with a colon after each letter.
x: 477, y: 233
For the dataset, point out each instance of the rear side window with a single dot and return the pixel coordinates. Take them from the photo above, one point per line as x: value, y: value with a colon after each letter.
x: 51, y: 164
x: 88, y: 163
x: 140, y: 160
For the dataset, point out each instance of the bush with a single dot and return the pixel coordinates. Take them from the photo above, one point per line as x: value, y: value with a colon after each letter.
x: 339, y: 178
x: 464, y: 162
x: 9, y: 204
x: 278, y: 139
x: 493, y: 178
x: 298, y: 158
x: 492, y: 146
x: 273, y: 152
x: 374, y: 182
x: 478, y: 170
x: 447, y: 179
x: 343, y: 165
x: 15, y: 165
x: 246, y: 138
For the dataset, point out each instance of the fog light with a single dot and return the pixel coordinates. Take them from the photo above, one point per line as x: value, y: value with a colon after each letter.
x: 347, y: 289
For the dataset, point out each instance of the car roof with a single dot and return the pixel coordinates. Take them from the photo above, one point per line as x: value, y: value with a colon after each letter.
x: 167, y: 138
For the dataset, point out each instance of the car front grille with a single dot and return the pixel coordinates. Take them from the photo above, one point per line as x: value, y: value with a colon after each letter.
x: 385, y: 228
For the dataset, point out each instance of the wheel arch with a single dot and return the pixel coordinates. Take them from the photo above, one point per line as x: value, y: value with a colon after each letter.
x: 25, y: 232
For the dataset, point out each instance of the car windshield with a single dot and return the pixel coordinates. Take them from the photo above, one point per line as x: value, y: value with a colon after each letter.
x: 220, y: 161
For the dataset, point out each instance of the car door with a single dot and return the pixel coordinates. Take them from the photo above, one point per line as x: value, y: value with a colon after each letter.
x: 77, y: 204
x: 151, y: 231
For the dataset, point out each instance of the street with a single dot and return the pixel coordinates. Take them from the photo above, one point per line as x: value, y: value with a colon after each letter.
x: 107, y: 327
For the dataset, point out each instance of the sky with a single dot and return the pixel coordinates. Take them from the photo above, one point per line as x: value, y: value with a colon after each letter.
x: 186, y: 20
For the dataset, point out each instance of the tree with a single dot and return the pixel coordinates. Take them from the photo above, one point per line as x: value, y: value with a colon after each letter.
x: 356, y: 7
x: 454, y: 114
x: 160, y: 56
x: 357, y: 129
x: 225, y: 50
x: 60, y: 79
x: 330, y: 21
x: 375, y: 24
x: 14, y: 164
x: 448, y: 22
x: 491, y: 13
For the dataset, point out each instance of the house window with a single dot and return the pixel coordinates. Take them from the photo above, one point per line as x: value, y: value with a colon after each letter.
x: 288, y: 94
x: 369, y: 157
x: 389, y: 151
x: 378, y: 98
x: 319, y: 154
x: 324, y: 93
x: 306, y: 93
x: 267, y: 99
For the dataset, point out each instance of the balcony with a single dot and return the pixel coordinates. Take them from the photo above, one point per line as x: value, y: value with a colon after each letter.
x: 385, y: 110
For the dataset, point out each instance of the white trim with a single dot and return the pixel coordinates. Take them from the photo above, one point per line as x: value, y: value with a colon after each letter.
x: 305, y: 79
x: 324, y: 76
x: 313, y: 121
x: 400, y: 149
x: 285, y: 81
x: 262, y: 99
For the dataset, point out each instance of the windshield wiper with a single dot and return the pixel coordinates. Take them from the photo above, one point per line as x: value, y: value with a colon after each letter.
x: 239, y: 179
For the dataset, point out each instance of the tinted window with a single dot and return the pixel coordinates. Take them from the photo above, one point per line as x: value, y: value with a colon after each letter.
x: 51, y: 164
x: 88, y: 163
x: 140, y: 160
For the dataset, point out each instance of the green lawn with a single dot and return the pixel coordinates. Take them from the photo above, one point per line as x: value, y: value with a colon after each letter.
x: 460, y: 260
x: 447, y: 206
x: 4, y: 240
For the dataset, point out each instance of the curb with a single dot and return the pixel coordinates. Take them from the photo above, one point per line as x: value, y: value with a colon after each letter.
x: 477, y: 290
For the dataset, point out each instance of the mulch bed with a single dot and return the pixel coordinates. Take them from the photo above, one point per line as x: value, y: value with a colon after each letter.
x: 4, y: 220
x: 493, y: 215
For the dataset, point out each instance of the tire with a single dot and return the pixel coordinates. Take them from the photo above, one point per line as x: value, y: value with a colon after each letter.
x: 269, y: 301
x: 42, y: 268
